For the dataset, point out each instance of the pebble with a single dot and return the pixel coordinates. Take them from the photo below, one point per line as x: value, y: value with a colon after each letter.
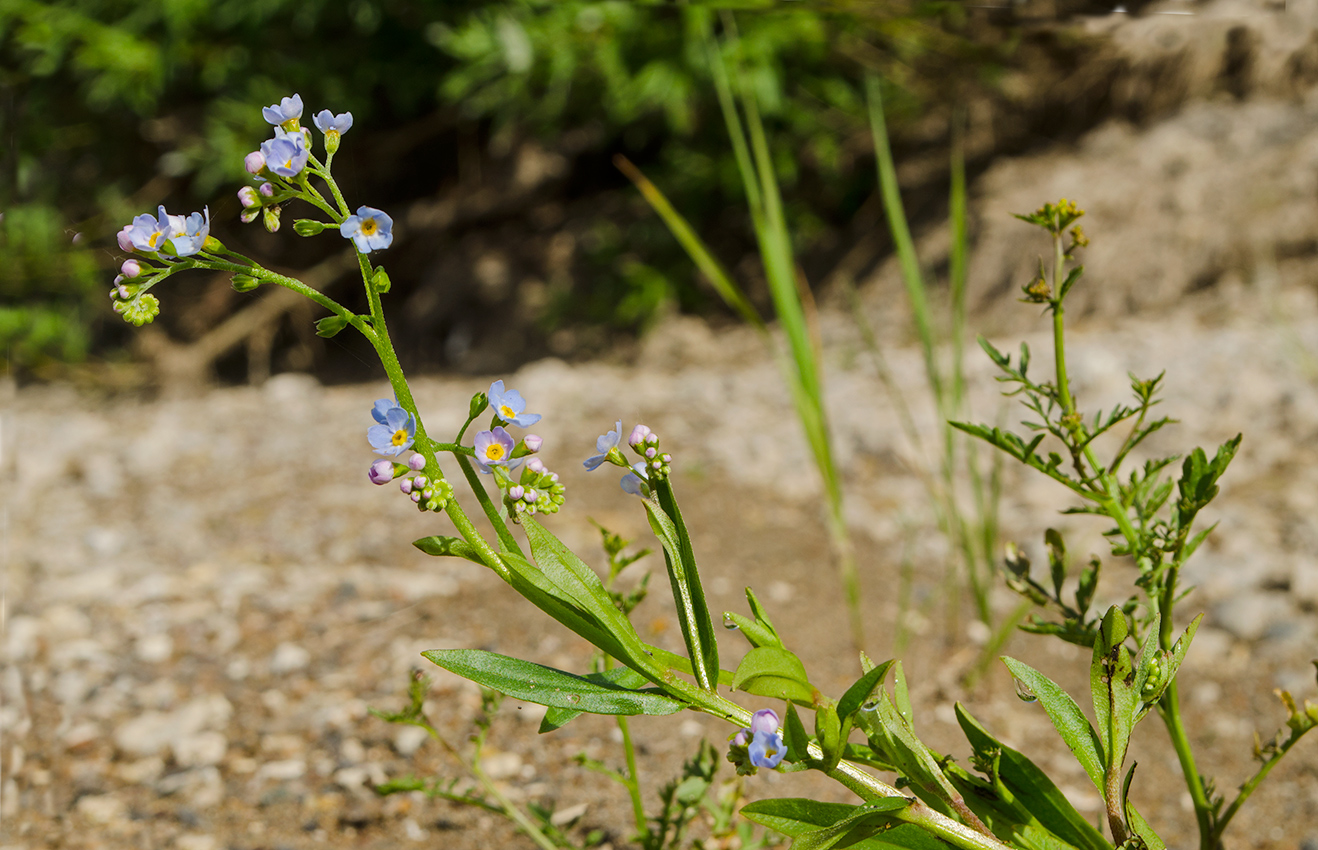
x: 154, y: 648
x: 408, y: 739
x: 196, y: 841
x: 282, y: 770
x: 102, y: 809
x: 288, y: 658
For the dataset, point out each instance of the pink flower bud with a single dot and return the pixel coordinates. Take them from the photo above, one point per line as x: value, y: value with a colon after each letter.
x: 420, y: 481
x: 531, y: 496
x: 382, y: 471
x: 123, y: 292
x: 532, y: 443
x: 125, y: 240
x: 131, y: 268
x: 515, y: 492
x: 416, y: 497
x: 405, y: 485
x: 536, y: 465
x: 639, y: 433
x: 254, y: 162
x: 268, y: 190
x: 247, y: 197
x: 416, y: 462
x: 651, y: 452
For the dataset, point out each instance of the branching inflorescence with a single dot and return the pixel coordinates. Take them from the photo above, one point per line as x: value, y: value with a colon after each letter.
x: 1005, y: 801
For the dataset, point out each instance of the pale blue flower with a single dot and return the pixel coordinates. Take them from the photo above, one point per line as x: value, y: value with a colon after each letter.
x: 328, y: 123
x: 286, y: 154
x: 370, y: 229
x: 149, y: 235
x: 395, y: 433
x: 493, y: 448
x: 287, y: 109
x: 381, y: 409
x: 603, y: 445
x: 196, y: 228
x: 509, y: 405
x: 766, y: 745
x: 636, y: 482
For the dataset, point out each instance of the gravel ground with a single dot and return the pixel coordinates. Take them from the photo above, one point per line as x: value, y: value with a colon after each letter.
x: 204, y: 596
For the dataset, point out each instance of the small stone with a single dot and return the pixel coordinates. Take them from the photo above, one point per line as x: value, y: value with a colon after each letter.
x: 413, y: 830
x: 202, y: 786
x: 155, y: 648
x: 351, y: 750
x: 196, y: 841
x: 289, y: 657
x: 204, y: 748
x: 408, y: 739
x: 351, y: 778
x: 141, y: 772
x: 571, y: 814
x: 283, y: 770
x: 102, y: 809
x: 502, y: 765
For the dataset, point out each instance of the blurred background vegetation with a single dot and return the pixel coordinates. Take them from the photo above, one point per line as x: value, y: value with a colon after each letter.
x: 487, y: 130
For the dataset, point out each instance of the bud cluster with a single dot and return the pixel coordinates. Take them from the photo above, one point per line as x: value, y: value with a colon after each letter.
x: 537, y: 490
x: 645, y: 443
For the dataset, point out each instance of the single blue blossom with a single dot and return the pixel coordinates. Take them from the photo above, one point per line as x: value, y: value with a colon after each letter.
x: 286, y: 154
x: 286, y: 110
x: 196, y: 229
x: 149, y: 235
x: 329, y: 123
x: 766, y: 747
x: 509, y: 405
x: 493, y: 448
x: 370, y: 229
x: 381, y: 409
x: 604, y: 445
x: 636, y: 482
x: 394, y: 434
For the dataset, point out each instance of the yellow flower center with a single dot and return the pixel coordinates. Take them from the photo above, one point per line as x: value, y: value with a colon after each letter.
x: 506, y: 412
x: 289, y: 164
x: 368, y: 226
x: 154, y: 238
x: 400, y: 437
x: 494, y: 451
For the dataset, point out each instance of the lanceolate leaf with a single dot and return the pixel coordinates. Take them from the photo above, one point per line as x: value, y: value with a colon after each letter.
x: 692, y: 610
x: 542, y: 685
x: 455, y: 546
x: 859, y: 693
x: 1031, y: 788
x: 770, y: 671
x: 625, y: 677
x: 797, y: 817
x: 1066, y: 716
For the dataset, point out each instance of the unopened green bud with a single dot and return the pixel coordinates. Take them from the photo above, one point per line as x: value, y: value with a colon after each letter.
x: 307, y: 227
x: 141, y: 310
x: 270, y: 218
x: 212, y: 245
x: 332, y: 139
x: 478, y: 404
x: 381, y: 281
x: 244, y: 283
x: 330, y: 325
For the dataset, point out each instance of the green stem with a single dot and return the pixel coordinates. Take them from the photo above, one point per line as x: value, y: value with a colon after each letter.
x: 1169, y: 708
x: 633, y: 782
x: 1248, y: 788
x: 300, y: 288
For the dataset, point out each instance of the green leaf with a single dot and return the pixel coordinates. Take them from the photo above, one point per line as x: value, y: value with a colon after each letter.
x: 1112, y: 686
x: 902, y: 695
x: 684, y: 577
x: 761, y: 616
x: 1066, y: 716
x: 752, y: 630
x: 828, y: 731
x: 1070, y: 281
x: 859, y: 693
x: 557, y: 718
x: 795, y: 737
x: 683, y: 664
x: 454, y: 546
x: 1030, y: 788
x: 771, y: 671
x: 547, y: 686
x: 1056, y: 559
x: 797, y: 817
x: 581, y: 584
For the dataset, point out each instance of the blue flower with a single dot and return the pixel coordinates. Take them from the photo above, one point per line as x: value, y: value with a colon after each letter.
x: 603, y: 446
x: 766, y: 745
x: 287, y: 109
x: 636, y: 482
x: 767, y: 749
x: 493, y: 448
x: 149, y: 235
x: 381, y: 409
x: 508, y: 406
x: 328, y: 123
x: 286, y: 154
x: 370, y: 229
x: 196, y: 228
x: 395, y: 433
